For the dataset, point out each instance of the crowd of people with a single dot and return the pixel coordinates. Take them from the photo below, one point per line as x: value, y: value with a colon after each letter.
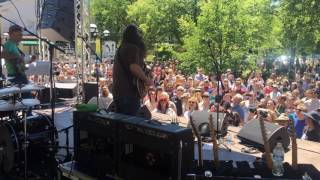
x: 176, y: 94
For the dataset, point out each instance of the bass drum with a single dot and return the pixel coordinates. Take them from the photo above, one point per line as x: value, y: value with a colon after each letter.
x: 41, y: 137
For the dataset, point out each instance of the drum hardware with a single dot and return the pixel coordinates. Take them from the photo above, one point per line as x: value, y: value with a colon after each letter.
x: 66, y: 147
x: 39, y: 143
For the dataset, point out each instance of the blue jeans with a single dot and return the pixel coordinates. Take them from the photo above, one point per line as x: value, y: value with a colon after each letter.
x: 127, y: 105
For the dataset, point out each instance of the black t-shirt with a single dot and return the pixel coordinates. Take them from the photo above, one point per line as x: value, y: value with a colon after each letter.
x: 312, y: 135
x: 178, y: 103
x: 123, y: 79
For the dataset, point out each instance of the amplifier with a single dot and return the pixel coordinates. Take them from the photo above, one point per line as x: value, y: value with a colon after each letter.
x: 131, y: 147
x: 96, y: 142
x: 152, y: 150
x: 66, y: 90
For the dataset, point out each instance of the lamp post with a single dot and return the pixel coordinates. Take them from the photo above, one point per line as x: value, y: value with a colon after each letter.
x: 105, y: 35
x: 102, y: 36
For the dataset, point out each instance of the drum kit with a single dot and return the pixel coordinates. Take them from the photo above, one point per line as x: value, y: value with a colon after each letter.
x: 26, y: 139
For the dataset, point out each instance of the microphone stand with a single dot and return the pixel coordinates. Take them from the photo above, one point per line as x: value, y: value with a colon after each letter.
x: 69, y: 155
x: 96, y: 64
x: 217, y: 67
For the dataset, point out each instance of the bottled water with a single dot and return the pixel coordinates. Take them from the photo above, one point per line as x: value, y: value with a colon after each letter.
x: 278, y: 157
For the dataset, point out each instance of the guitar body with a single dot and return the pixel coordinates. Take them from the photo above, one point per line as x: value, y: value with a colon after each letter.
x: 142, y: 88
x: 19, y: 65
x: 293, y: 136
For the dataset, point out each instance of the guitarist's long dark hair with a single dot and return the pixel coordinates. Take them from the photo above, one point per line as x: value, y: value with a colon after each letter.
x: 132, y: 35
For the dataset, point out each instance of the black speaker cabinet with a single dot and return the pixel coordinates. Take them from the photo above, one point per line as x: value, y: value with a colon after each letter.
x: 251, y: 134
x: 95, y: 139
x: 44, y: 95
x: 57, y: 20
x: 90, y: 90
x: 151, y: 150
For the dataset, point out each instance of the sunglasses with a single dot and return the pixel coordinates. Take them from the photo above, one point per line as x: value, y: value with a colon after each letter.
x: 179, y: 89
x: 162, y: 100
x: 192, y: 102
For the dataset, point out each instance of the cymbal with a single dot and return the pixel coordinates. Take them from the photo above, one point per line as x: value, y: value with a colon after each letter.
x: 6, y: 78
x: 26, y: 103
x: 9, y: 90
x: 31, y: 87
x: 6, y: 106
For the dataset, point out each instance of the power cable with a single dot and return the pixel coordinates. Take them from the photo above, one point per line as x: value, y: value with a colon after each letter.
x: 18, y: 13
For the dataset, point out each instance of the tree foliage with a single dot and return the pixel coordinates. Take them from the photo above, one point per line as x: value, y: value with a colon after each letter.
x: 239, y: 34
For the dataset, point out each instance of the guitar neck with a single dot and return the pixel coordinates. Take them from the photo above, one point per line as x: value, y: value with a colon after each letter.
x: 292, y: 134
x: 265, y: 143
x: 214, y: 142
x: 196, y: 133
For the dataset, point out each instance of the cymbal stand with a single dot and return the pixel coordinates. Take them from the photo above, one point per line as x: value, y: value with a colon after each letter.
x: 25, y: 142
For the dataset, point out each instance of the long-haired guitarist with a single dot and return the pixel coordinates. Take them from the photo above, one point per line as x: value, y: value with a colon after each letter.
x: 14, y: 58
x: 127, y: 69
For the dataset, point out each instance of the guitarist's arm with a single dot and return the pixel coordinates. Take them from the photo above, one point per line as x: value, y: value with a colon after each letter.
x: 10, y: 56
x: 137, y: 71
x: 13, y: 58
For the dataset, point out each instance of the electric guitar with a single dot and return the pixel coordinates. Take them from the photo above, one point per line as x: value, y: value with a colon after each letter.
x: 18, y: 64
x: 214, y: 142
x: 142, y: 88
x: 265, y: 142
x: 196, y: 133
x: 293, y: 136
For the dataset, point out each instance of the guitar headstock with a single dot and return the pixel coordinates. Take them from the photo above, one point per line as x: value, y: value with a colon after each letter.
x: 291, y: 129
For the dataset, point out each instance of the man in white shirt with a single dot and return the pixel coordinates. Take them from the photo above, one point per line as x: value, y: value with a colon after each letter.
x: 313, y: 103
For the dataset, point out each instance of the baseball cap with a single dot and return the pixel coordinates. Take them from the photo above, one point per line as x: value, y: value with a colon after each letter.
x: 14, y: 28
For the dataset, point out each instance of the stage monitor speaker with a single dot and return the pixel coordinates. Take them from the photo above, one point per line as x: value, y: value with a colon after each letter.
x: 149, y: 149
x: 57, y: 20
x: 90, y: 91
x: 251, y: 134
x: 201, y: 118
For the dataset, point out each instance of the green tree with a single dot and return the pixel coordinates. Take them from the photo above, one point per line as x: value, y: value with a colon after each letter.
x: 110, y: 15
x: 225, y: 32
x: 159, y: 19
x: 300, y: 19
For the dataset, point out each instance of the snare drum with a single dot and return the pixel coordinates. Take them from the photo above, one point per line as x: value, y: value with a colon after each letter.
x: 41, y: 136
